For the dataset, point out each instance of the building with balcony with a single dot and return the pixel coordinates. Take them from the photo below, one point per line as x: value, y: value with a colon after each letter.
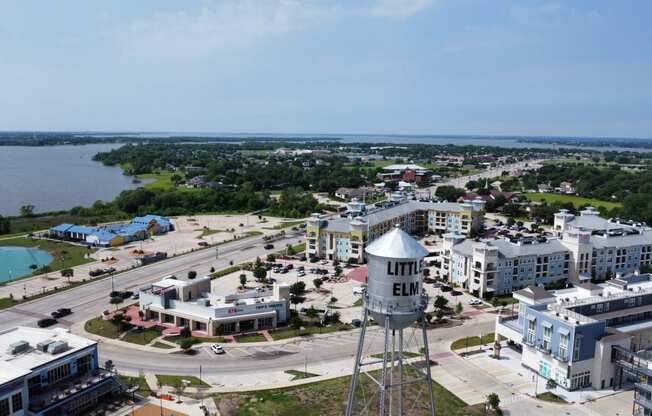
x: 586, y: 246
x: 345, y: 238
x: 51, y: 372
x: 587, y: 336
x: 190, y: 303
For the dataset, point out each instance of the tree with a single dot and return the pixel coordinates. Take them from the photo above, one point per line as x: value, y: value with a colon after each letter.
x: 493, y: 401
x: 338, y: 271
x: 440, y: 302
x: 290, y: 251
x: 296, y: 323
x: 68, y: 273
x: 271, y: 257
x: 458, y: 308
x: 212, y: 269
x: 260, y: 273
x: 185, y: 332
x: 192, y: 274
x: 108, y: 366
x: 312, y: 312
x: 185, y: 345
x: 449, y: 193
x: 298, y: 288
x: 495, y: 302
x: 439, y: 314
x: 551, y: 384
x: 317, y: 282
x: 243, y: 280
x: 116, y: 300
x: 27, y: 210
x: 5, y: 225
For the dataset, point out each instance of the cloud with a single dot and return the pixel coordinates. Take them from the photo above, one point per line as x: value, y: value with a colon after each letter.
x: 221, y: 24
x: 399, y: 8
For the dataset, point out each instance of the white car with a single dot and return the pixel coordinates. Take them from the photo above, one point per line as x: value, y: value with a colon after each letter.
x: 217, y: 349
x: 475, y: 302
x: 324, y: 262
x: 358, y: 291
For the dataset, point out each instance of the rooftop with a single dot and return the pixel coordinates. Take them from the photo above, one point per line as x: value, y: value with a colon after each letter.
x: 13, y: 365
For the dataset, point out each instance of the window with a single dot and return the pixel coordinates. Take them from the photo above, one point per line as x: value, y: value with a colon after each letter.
x: 83, y: 364
x: 58, y: 373
x: 531, y: 327
x: 563, y: 346
x: 576, y: 347
x: 17, y: 402
x: 34, y: 385
x: 4, y: 407
x: 547, y: 336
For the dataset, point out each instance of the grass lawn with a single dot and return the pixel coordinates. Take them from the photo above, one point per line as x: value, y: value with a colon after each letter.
x: 224, y: 272
x: 141, y: 336
x: 102, y: 327
x: 287, y: 224
x: 194, y: 340
x: 328, y: 398
x: 550, y: 397
x: 577, y: 201
x: 473, y: 341
x: 311, y: 330
x: 162, y: 345
x: 299, y: 375
x: 167, y: 380
x: 207, y: 231
x: 507, y: 298
x: 7, y: 303
x: 74, y: 255
x: 250, y: 338
x: 357, y: 302
x: 143, y: 387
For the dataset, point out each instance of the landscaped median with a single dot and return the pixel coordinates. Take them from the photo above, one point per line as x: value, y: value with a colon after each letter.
x: 473, y: 341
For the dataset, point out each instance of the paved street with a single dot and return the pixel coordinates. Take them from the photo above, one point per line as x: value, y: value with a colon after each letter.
x: 91, y: 299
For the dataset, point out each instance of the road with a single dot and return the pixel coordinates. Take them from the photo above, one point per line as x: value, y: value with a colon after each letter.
x: 91, y: 299
x: 461, y: 181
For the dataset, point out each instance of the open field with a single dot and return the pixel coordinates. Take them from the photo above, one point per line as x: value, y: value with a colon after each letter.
x: 102, y: 327
x: 328, y: 398
x: 65, y: 255
x: 141, y: 336
x: 577, y: 201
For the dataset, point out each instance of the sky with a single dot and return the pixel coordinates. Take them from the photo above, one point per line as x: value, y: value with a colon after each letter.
x: 477, y: 67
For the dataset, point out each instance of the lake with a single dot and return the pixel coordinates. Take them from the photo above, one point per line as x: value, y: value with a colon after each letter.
x: 54, y: 178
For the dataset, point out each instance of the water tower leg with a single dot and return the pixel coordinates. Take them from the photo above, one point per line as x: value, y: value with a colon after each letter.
x: 391, y: 373
x: 358, y: 360
x: 400, y: 370
x: 383, y: 378
x: 424, y: 326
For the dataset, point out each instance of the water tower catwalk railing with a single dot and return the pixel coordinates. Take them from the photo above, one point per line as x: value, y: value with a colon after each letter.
x: 386, y: 384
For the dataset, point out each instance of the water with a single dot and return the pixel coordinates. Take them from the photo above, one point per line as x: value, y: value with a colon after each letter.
x: 54, y: 178
x: 16, y: 261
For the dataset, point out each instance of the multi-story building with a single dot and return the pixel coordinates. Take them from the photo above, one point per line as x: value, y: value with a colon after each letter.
x: 407, y: 173
x: 586, y: 336
x: 190, y: 303
x: 587, y: 246
x: 496, y: 267
x: 51, y: 372
x: 344, y: 239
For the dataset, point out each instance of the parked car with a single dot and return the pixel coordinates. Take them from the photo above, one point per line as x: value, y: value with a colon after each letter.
x: 436, y: 285
x: 475, y: 302
x: 358, y: 291
x: 446, y: 288
x: 135, y: 296
x: 301, y: 274
x: 61, y: 312
x: 269, y: 246
x: 290, y: 266
x: 45, y: 322
x: 109, y: 270
x: 324, y: 262
x: 217, y: 349
x: 356, y: 323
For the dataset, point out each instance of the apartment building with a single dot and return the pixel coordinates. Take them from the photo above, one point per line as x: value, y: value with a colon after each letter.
x: 586, y: 246
x: 51, y: 372
x: 345, y: 238
x: 586, y: 336
x: 190, y: 303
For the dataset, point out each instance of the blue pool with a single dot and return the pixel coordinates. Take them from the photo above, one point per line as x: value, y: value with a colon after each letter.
x: 16, y: 261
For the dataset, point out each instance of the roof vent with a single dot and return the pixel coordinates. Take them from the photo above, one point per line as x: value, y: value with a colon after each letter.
x: 43, y: 345
x: 57, y: 347
x: 18, y: 347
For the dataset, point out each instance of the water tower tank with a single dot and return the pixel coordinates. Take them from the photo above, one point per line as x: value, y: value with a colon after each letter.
x: 394, y: 287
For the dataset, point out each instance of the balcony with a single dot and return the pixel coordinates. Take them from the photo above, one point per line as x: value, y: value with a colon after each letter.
x: 68, y: 388
x: 544, y: 348
x: 561, y: 356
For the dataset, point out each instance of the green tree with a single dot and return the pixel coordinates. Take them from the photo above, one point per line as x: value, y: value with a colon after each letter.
x: 493, y: 401
x: 185, y: 344
x: 458, y: 308
x: 243, y: 280
x: 551, y: 384
x: 440, y: 302
x: 192, y: 274
x: 27, y: 210
x: 439, y: 314
x: 260, y: 273
x: 298, y: 288
x: 449, y: 193
x: 317, y: 283
x: 312, y: 312
x: 338, y: 271
x: 5, y: 225
x: 271, y: 257
x: 108, y: 366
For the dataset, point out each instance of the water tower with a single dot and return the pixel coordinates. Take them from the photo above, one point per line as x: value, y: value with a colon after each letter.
x: 395, y: 299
